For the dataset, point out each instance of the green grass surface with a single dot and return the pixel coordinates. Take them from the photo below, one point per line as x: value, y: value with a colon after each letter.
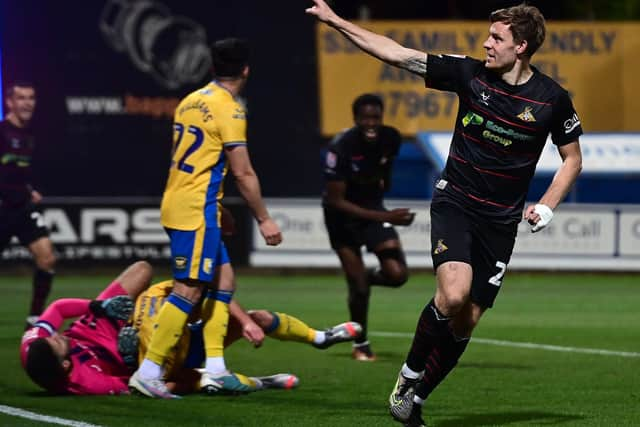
x: 492, y: 385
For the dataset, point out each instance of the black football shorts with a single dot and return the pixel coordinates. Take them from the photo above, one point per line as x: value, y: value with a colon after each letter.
x: 24, y: 222
x: 345, y: 230
x: 457, y: 235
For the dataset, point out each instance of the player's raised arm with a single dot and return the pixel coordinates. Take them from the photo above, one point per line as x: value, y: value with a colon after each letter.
x: 376, y: 45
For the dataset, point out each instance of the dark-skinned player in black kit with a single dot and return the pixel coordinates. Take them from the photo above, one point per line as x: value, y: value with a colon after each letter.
x: 358, y: 170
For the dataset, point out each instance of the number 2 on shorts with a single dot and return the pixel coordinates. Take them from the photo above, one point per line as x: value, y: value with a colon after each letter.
x: 497, y: 279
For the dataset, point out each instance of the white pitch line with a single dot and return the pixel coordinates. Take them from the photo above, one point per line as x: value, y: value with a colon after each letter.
x: 17, y: 412
x: 532, y: 345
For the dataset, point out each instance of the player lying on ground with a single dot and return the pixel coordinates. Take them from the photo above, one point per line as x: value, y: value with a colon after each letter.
x: 181, y: 366
x: 85, y: 358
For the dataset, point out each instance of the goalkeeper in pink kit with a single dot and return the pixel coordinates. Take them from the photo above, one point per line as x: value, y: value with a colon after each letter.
x: 97, y: 354
x: 84, y: 359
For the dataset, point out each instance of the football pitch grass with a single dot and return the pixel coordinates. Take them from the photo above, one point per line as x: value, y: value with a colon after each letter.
x: 562, y: 384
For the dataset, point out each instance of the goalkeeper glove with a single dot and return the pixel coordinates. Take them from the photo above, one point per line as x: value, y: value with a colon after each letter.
x: 118, y: 308
x: 128, y: 345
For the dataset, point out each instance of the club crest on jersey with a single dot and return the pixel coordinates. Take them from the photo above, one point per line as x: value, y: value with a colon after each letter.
x: 527, y: 115
x: 180, y: 262
x: 440, y: 247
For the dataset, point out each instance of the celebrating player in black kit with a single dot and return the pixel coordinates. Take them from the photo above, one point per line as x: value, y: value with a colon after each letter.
x: 358, y: 172
x: 507, y: 110
x: 18, y: 214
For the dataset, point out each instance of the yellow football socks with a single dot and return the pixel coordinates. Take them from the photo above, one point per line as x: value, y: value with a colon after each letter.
x: 215, y: 313
x: 289, y: 328
x: 168, y: 329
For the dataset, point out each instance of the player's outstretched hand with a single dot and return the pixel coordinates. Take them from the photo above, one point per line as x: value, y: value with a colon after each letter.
x: 400, y: 216
x: 271, y: 232
x: 119, y: 308
x: 320, y: 10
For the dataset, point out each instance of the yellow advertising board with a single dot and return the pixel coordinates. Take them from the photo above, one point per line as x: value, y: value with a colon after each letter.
x: 596, y: 62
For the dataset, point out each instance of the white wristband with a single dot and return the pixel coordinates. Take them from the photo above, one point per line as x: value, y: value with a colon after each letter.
x: 546, y: 215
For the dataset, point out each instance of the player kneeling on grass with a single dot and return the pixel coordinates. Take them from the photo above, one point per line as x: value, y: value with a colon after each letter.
x: 181, y: 373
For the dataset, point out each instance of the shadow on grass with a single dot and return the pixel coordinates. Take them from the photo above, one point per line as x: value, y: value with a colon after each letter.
x: 506, y: 418
x: 386, y: 356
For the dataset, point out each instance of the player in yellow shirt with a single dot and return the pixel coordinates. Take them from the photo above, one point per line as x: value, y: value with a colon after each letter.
x: 51, y: 361
x: 181, y: 366
x: 209, y: 138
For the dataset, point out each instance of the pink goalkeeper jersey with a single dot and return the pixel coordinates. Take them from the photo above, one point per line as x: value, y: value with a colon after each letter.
x: 97, y: 367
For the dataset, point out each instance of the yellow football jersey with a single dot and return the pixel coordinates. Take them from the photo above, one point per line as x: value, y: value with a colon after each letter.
x: 205, y: 122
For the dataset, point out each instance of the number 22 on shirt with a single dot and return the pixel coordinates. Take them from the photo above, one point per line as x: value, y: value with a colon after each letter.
x: 194, y: 137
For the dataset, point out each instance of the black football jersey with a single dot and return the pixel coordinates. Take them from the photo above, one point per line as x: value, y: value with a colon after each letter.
x: 365, y: 166
x: 16, y: 151
x: 499, y: 134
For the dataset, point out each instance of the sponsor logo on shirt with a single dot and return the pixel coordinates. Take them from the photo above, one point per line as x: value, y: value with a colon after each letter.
x: 487, y: 134
x: 571, y: 123
x: 20, y: 161
x: 508, y: 131
x: 472, y: 118
x: 527, y: 115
